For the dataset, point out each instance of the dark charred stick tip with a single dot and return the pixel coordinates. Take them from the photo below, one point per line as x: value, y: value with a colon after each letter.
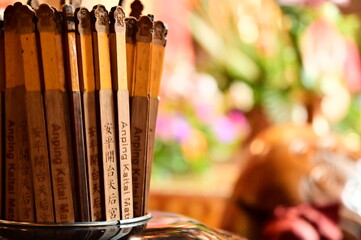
x: 160, y: 33
x: 84, y: 19
x: 47, y: 21
x: 68, y: 18
x: 145, y: 29
x: 26, y: 19
x: 119, y: 19
x: 131, y: 29
x: 100, y: 17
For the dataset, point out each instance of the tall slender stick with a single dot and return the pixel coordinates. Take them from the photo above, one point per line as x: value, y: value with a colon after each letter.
x: 19, y: 189
x: 2, y: 115
x: 25, y: 189
x: 57, y: 113
x: 71, y: 62
x: 159, y: 42
x: 140, y: 111
x: 120, y: 85
x: 106, y: 109
x: 35, y: 117
x: 87, y: 80
x: 11, y: 154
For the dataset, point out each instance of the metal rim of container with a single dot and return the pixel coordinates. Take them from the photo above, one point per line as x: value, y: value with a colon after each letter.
x: 124, y: 222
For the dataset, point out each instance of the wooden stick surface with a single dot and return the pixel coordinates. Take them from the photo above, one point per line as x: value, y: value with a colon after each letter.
x: 87, y: 79
x: 119, y: 71
x: 18, y: 189
x: 142, y: 67
x: 140, y: 112
x: 139, y: 122
x: 2, y: 116
x: 35, y: 117
x: 159, y: 42
x: 152, y: 119
x: 11, y: 154
x: 26, y: 210
x: 131, y: 31
x: 57, y: 113
x: 106, y: 109
x: 81, y: 176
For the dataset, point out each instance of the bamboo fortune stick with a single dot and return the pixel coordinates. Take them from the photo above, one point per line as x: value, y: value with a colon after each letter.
x: 77, y: 120
x: 159, y: 42
x: 140, y: 111
x: 25, y: 192
x: 106, y: 109
x: 87, y: 78
x: 120, y: 85
x: 87, y: 86
x: 35, y: 117
x: 11, y: 156
x: 57, y: 113
x: 19, y: 188
x: 2, y: 115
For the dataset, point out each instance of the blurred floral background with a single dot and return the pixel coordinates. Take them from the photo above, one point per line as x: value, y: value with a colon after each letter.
x: 235, y: 68
x: 254, y: 63
x: 232, y: 69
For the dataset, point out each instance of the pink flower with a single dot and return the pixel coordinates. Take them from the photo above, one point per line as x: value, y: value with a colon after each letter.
x: 172, y: 127
x: 225, y: 130
x: 238, y: 118
x: 231, y: 127
x: 180, y: 128
x: 352, y: 67
x: 162, y: 127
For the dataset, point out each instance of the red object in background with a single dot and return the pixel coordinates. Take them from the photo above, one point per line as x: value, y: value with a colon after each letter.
x: 303, y: 222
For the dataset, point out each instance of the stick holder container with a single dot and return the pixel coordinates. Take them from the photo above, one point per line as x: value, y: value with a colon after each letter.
x: 68, y: 231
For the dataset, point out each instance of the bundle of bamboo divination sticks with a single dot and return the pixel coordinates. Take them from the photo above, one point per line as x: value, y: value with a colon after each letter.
x: 79, y: 100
